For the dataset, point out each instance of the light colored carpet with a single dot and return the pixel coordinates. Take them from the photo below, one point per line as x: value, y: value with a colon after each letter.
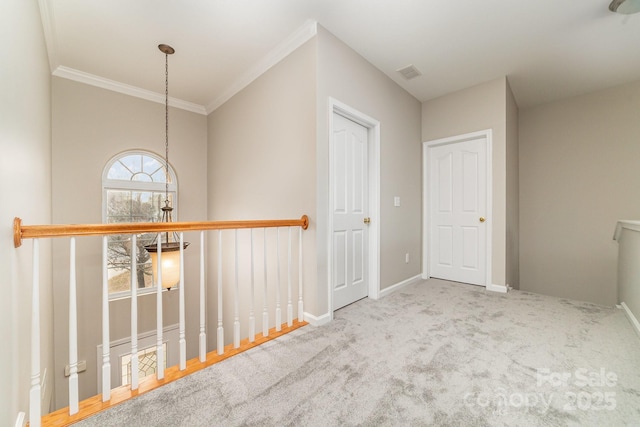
x: 433, y: 353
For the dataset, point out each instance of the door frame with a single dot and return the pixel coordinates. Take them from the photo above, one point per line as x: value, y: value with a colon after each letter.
x: 426, y: 208
x: 373, y: 153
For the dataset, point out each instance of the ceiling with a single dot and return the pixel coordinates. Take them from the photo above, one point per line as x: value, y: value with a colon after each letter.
x: 549, y: 49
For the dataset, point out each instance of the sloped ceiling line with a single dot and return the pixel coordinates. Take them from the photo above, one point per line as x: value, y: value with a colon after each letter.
x: 303, y: 34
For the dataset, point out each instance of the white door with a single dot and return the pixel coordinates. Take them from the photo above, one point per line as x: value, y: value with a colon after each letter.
x: 457, y: 205
x: 349, y: 237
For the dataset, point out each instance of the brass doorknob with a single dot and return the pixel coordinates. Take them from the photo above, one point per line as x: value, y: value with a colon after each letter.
x: 367, y: 220
x: 482, y: 219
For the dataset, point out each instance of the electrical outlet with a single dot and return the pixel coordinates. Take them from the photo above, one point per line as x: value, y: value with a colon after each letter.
x: 406, y: 258
x: 396, y: 201
x: 82, y: 366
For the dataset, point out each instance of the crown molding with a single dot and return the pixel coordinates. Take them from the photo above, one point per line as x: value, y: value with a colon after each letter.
x: 303, y: 34
x: 48, y: 29
x: 101, y: 82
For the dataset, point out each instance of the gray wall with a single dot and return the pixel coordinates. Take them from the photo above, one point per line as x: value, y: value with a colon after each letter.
x: 579, y: 174
x: 346, y: 76
x: 478, y: 108
x: 90, y: 126
x: 261, y: 165
x: 276, y: 129
x: 512, y: 193
x: 25, y: 168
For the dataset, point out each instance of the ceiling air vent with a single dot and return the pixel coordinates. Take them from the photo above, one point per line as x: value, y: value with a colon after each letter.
x: 409, y: 72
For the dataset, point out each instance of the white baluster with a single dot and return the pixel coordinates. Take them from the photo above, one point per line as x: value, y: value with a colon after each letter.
x: 106, y: 360
x: 203, y: 335
x: 289, y: 304
x: 134, y: 312
x: 252, y: 317
x: 300, y: 303
x: 278, y: 310
x: 220, y: 328
x: 265, y: 312
x: 73, y: 332
x: 159, y: 346
x: 34, y: 391
x: 182, y: 339
x: 236, y: 309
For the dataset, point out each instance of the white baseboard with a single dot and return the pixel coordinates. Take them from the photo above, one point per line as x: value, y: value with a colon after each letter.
x: 20, y: 419
x: 327, y: 317
x: 390, y: 289
x: 317, y: 321
x: 631, y: 317
x: 497, y: 288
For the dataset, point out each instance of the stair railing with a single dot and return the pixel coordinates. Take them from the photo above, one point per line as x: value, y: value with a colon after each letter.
x: 73, y: 231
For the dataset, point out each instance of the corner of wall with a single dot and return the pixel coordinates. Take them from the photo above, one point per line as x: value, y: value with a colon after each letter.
x: 25, y: 108
x: 513, y: 190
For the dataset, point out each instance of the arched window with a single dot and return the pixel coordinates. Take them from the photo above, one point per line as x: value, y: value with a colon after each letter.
x: 134, y: 189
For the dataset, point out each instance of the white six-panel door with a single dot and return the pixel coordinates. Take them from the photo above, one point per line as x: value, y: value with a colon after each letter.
x: 457, y: 205
x: 349, y: 237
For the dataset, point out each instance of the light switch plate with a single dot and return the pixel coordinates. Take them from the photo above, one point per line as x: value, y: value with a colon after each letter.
x: 396, y: 201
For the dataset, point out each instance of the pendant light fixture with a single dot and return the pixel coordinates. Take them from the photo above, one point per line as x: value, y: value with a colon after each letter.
x: 170, y: 254
x: 626, y: 7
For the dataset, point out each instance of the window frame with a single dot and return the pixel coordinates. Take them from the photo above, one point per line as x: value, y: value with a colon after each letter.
x: 142, y: 186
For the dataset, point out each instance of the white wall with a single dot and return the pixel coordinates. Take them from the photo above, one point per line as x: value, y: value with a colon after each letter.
x: 579, y: 174
x: 90, y: 126
x: 25, y: 170
x: 349, y: 78
x: 478, y: 108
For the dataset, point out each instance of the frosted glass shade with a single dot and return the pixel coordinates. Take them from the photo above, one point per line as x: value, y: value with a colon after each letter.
x: 170, y: 264
x: 626, y: 7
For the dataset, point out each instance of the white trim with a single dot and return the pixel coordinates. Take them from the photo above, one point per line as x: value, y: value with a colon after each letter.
x: 497, y: 288
x: 631, y: 317
x: 487, y: 134
x: 20, y: 420
x: 48, y: 27
x: 625, y: 224
x: 101, y: 82
x: 303, y: 34
x: 373, y: 135
x: 318, y: 321
x: 391, y: 289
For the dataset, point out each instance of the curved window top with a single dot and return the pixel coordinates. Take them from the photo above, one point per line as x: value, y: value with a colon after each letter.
x: 137, y: 168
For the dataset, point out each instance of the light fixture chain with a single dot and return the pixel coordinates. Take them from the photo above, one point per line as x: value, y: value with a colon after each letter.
x: 166, y: 128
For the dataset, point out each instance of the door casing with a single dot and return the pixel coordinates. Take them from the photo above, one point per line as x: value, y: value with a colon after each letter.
x: 426, y: 208
x: 373, y: 141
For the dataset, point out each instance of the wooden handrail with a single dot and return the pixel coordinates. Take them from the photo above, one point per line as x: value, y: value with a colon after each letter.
x: 40, y: 231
